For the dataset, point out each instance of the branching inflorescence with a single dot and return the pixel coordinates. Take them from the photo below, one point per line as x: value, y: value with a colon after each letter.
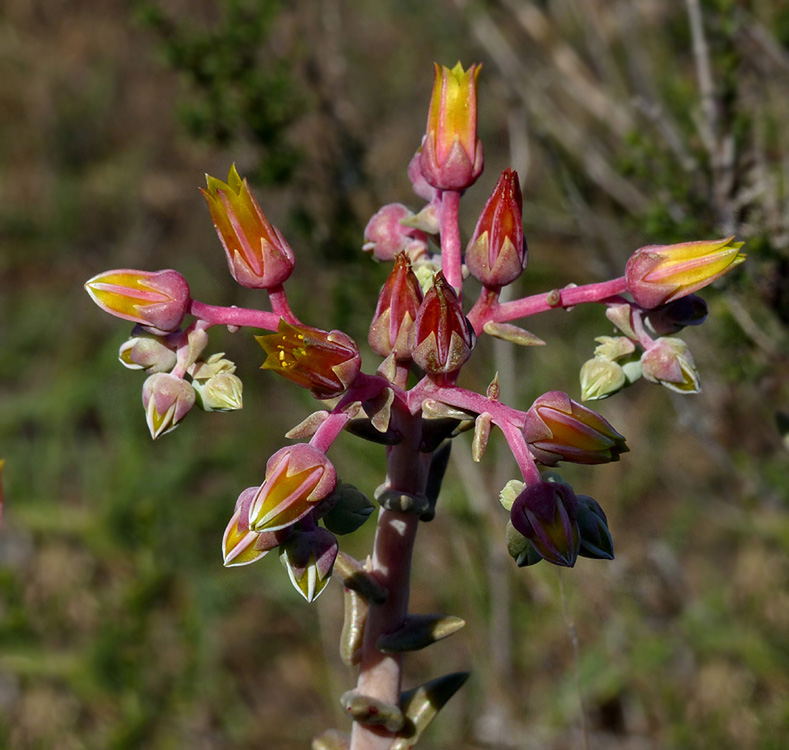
x: 419, y: 325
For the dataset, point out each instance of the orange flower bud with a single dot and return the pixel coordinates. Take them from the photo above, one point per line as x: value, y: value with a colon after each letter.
x: 658, y: 274
x: 556, y: 428
x: 154, y: 299
x: 398, y: 305
x: 442, y: 338
x: 257, y: 254
x: 297, y: 479
x: 326, y: 362
x: 496, y: 253
x: 451, y: 157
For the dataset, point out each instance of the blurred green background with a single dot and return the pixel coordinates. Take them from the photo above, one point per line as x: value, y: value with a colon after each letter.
x: 630, y: 124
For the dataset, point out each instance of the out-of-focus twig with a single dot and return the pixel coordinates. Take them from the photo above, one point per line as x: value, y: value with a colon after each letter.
x: 574, y: 138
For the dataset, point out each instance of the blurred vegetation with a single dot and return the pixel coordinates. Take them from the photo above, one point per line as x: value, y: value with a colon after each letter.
x: 120, y: 629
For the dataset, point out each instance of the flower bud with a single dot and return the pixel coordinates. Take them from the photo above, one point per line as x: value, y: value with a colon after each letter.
x: 386, y: 235
x: 156, y: 300
x: 613, y: 347
x: 496, y: 253
x: 420, y: 185
x: 222, y: 392
x: 166, y: 399
x: 658, y: 274
x: 520, y: 548
x: 451, y: 157
x: 671, y: 318
x: 326, y: 362
x: 442, y: 338
x: 545, y: 513
x: 398, y: 305
x: 257, y: 254
x: 298, y: 477
x: 556, y: 428
x: 596, y: 539
x: 669, y: 362
x: 145, y: 351
x: 601, y: 378
x: 309, y: 557
x: 241, y: 545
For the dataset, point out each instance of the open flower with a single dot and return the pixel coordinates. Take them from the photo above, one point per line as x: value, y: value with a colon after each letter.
x: 451, y: 157
x: 257, y: 254
x: 496, y: 253
x: 326, y: 362
x: 556, y: 428
x: 658, y: 274
x: 154, y: 299
x: 298, y: 477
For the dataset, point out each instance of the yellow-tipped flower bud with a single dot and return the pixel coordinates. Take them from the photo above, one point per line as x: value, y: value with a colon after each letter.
x: 451, y: 157
x: 659, y: 274
x: 257, y: 254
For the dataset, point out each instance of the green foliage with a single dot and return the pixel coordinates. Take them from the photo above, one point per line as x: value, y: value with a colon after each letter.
x: 239, y: 88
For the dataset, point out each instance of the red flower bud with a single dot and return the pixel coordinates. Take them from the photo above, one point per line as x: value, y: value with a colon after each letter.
x: 442, y: 338
x: 496, y: 253
x: 398, y: 306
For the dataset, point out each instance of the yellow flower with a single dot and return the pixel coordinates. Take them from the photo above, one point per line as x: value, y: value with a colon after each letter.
x: 326, y: 362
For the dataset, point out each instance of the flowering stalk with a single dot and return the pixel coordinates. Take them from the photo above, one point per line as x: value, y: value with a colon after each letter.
x: 420, y: 328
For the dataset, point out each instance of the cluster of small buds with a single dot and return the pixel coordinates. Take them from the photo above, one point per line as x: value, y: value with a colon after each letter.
x: 419, y: 328
x: 662, y: 281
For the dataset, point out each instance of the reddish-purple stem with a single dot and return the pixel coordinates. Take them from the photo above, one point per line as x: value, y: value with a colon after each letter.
x: 450, y: 240
x: 364, y: 388
x: 489, y: 310
x: 233, y: 316
x: 280, y: 306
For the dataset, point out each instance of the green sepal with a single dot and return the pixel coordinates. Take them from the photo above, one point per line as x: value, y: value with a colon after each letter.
x: 520, y: 548
x: 421, y: 705
x: 350, y: 510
